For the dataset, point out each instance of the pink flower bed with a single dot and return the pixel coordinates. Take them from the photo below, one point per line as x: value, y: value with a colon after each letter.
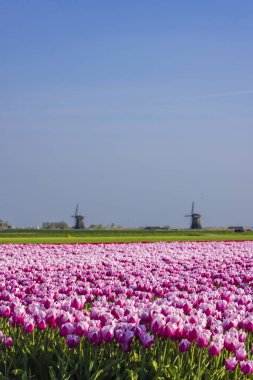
x: 191, y: 293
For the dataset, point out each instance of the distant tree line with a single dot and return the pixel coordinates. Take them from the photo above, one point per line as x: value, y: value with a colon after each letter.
x: 112, y: 226
x: 64, y: 226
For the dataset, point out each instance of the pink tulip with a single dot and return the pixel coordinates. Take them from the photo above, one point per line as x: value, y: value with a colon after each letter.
x: 203, y: 338
x: 242, y: 336
x: 230, y: 343
x: 107, y: 334
x: 191, y: 332
x: 82, y: 328
x: 225, y: 296
x: 8, y: 341
x: 146, y: 340
x: 127, y: 337
x: 29, y: 327
x: 231, y: 364
x: 47, y: 303
x: 215, y: 349
x: 184, y: 345
x: 241, y: 354
x: 248, y: 324
x: 19, y: 315
x: 72, y: 340
x: 5, y: 311
x: 246, y: 367
x: 157, y: 325
x: 170, y: 330
x: 187, y: 308
x: 145, y: 317
x: 139, y: 330
x: 94, y: 335
x: 221, y: 305
x: 41, y: 324
x: 77, y: 303
x: 67, y: 329
x: 51, y: 318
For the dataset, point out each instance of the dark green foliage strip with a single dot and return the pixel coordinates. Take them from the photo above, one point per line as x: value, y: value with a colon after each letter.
x: 43, y: 355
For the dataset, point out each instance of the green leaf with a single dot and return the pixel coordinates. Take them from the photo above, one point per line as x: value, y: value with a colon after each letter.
x: 17, y: 372
x: 24, y: 376
x: 96, y: 374
x: 112, y: 363
x: 52, y: 373
x: 91, y: 365
x: 154, y: 365
x: 132, y: 375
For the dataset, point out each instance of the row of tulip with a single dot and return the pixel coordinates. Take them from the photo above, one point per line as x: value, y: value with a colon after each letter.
x: 132, y: 301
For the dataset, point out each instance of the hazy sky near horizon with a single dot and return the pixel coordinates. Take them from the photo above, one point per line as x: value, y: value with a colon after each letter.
x: 132, y: 109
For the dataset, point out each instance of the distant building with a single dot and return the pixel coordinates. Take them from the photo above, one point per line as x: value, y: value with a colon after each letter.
x: 237, y: 228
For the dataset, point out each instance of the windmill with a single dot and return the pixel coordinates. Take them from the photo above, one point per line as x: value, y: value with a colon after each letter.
x: 195, y: 221
x: 79, y: 224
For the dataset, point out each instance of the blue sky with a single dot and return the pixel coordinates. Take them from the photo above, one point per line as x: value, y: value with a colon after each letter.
x: 133, y: 109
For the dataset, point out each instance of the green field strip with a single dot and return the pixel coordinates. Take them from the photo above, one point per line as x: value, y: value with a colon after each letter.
x: 121, y: 239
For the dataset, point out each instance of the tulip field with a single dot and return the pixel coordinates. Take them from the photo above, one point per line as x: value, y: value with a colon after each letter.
x: 178, y: 310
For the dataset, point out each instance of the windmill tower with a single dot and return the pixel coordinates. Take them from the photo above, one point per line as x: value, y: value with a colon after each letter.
x: 195, y: 221
x: 79, y: 223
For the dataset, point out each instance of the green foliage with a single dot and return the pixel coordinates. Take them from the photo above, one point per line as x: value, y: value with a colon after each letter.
x: 44, y: 355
